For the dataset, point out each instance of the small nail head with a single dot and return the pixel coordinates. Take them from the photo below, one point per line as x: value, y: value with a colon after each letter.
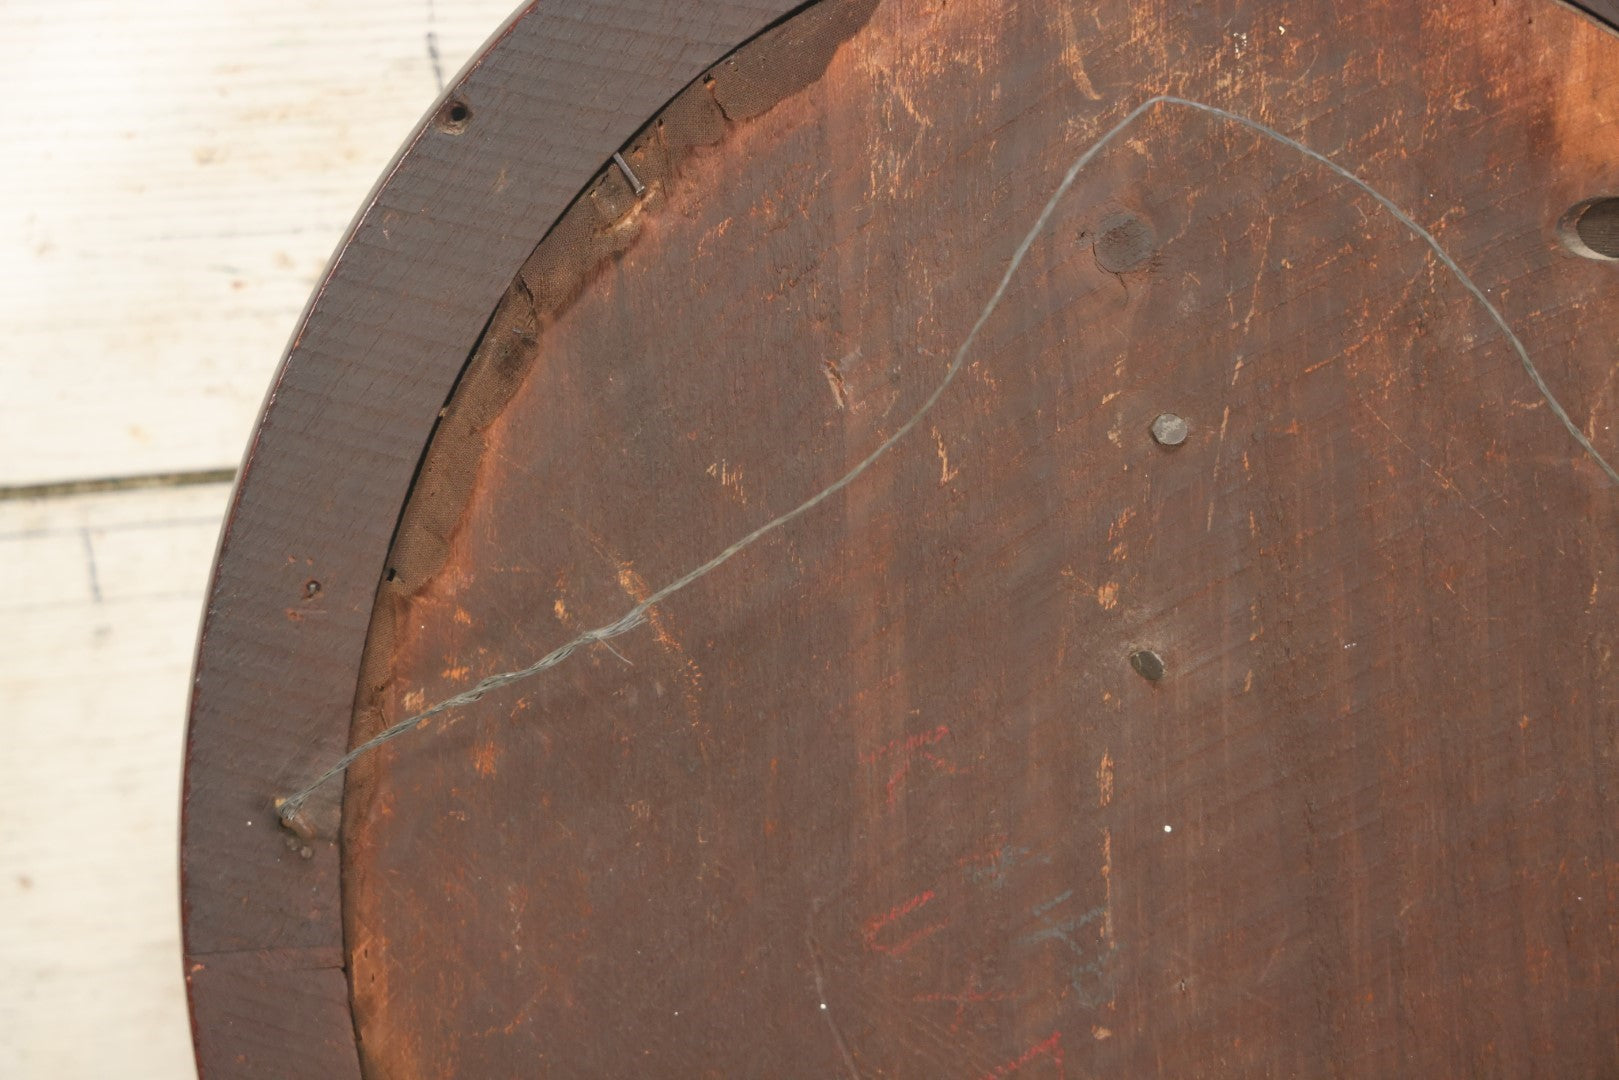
x: 1169, y: 429
x: 1148, y: 664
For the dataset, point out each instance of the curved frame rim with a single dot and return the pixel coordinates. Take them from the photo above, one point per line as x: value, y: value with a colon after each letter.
x: 554, y: 92
x: 385, y: 335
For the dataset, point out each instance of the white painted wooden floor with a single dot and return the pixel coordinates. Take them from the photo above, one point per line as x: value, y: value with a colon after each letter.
x: 176, y: 173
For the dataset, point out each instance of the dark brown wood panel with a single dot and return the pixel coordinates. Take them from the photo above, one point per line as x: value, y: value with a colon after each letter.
x: 1606, y: 10
x: 884, y: 795
x: 894, y: 760
x: 385, y: 337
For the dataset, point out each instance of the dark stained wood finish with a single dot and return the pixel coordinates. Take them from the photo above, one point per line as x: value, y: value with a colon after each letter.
x: 894, y: 758
x: 1607, y: 10
x: 560, y: 88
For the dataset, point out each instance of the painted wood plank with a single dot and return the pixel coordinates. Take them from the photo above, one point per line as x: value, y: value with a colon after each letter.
x: 169, y: 203
x: 105, y: 593
x: 207, y: 159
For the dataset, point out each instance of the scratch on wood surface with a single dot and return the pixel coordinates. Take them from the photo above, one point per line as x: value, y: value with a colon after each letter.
x: 730, y: 478
x: 1073, y: 57
x: 635, y: 587
x: 638, y: 614
x: 1259, y: 276
x: 1214, y: 476
x: 1600, y: 397
x: 825, y: 1007
x: 1107, y: 891
x: 834, y: 379
x: 1439, y: 474
x: 946, y: 473
x: 1228, y: 985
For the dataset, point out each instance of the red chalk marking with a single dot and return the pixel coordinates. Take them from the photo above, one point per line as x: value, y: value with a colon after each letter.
x: 1051, y: 1048
x: 908, y: 743
x: 877, y: 924
x: 970, y: 995
x: 989, y: 855
x: 912, y: 747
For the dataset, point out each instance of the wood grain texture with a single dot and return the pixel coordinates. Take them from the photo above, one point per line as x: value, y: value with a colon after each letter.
x: 940, y: 664
x: 348, y: 415
x: 100, y: 608
x: 240, y: 1007
x: 1605, y: 10
x: 176, y: 177
x: 883, y: 795
x: 204, y: 158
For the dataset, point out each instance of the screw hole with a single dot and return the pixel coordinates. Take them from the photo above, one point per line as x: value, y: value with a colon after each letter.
x: 454, y: 117
x: 1148, y: 664
x: 1591, y: 229
x: 311, y: 589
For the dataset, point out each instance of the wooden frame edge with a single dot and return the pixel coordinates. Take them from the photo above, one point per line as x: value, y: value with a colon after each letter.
x: 556, y: 90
